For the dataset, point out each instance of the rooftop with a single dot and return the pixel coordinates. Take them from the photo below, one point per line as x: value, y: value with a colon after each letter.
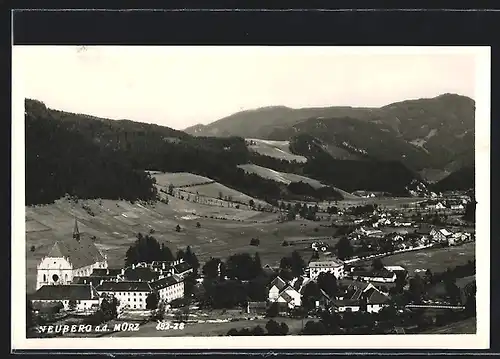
x: 326, y: 264
x: 80, y: 253
x: 125, y: 286
x: 65, y: 292
x: 182, y: 267
x: 279, y: 283
x: 165, y: 282
x: 106, y: 272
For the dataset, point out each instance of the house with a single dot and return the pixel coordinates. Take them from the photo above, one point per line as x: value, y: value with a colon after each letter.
x: 130, y: 294
x: 168, y: 288
x: 68, y: 258
x: 361, y: 296
x: 275, y: 288
x: 81, y: 297
x: 256, y: 307
x: 395, y: 269
x: 457, y: 207
x: 284, y: 293
x: 289, y: 297
x: 441, y: 235
x: 336, y: 267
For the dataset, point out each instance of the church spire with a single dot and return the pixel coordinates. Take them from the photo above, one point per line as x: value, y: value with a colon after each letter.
x: 76, y: 232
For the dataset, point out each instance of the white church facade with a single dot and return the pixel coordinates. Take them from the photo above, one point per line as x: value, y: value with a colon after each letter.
x: 69, y: 258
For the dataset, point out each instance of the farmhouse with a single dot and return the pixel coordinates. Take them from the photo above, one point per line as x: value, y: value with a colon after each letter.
x: 69, y: 258
x: 441, y: 235
x: 336, y: 267
x: 275, y: 288
x: 284, y: 293
x: 80, y: 297
x: 362, y: 296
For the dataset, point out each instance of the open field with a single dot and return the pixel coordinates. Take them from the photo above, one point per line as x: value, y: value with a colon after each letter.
x: 116, y: 224
x: 288, y: 178
x: 468, y: 326
x: 216, y: 190
x: 205, y: 187
x: 179, y: 179
x: 210, y: 329
x: 282, y: 177
x: 276, y: 149
x: 437, y: 260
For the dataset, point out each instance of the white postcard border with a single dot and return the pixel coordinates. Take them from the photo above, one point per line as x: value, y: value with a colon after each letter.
x: 432, y: 341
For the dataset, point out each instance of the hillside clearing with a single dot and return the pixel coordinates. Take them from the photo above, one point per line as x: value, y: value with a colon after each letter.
x: 205, y: 189
x: 282, y: 177
x: 179, y: 179
x: 276, y: 149
x: 223, y: 231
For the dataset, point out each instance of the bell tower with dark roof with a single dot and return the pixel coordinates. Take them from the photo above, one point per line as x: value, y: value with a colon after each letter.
x: 76, y: 232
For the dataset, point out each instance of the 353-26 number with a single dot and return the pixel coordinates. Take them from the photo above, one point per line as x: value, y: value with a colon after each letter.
x: 169, y: 326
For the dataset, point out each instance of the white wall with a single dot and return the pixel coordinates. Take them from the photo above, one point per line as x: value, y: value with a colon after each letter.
x: 53, y: 266
x: 273, y: 293
x: 81, y: 305
x: 338, y: 272
x: 129, y: 299
x: 172, y: 292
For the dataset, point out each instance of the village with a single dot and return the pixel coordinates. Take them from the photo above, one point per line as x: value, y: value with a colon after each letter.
x: 324, y: 293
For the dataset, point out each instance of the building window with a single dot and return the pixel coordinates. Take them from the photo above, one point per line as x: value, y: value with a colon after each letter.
x: 44, y: 278
x: 55, y: 277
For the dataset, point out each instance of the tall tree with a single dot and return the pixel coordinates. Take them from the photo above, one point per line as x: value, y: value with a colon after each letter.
x: 328, y: 283
x: 344, y: 248
x: 297, y: 264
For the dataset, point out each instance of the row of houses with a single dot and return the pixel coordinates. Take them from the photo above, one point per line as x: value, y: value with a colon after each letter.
x: 354, y: 296
x: 358, y: 289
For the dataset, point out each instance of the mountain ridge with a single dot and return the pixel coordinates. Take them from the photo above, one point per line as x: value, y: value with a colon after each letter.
x: 433, y: 136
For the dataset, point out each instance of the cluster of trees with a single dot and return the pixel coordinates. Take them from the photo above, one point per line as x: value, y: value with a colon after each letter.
x: 344, y: 248
x: 233, y: 282
x: 302, y: 209
x: 147, y: 249
x: 106, y: 312
x: 272, y: 328
x: 470, y: 212
x: 240, y: 266
x: 292, y: 266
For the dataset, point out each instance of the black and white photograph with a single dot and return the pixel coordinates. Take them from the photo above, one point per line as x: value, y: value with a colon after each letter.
x: 192, y: 196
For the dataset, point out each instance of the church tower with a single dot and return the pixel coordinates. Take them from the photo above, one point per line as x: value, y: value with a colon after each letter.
x: 76, y: 232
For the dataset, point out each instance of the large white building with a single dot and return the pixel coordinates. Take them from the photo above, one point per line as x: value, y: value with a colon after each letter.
x: 134, y: 294
x: 80, y: 297
x: 336, y: 267
x: 70, y: 258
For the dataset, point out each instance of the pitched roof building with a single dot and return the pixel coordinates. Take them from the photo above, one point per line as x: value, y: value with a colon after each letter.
x: 68, y: 258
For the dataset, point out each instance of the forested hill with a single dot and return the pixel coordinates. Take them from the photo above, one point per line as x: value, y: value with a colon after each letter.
x: 460, y: 180
x: 92, y: 157
x: 434, y: 136
x: 61, y: 161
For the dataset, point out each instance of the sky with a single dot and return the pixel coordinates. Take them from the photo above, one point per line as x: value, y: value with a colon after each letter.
x: 182, y: 86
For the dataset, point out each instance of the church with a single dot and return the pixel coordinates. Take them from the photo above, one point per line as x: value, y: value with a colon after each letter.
x: 69, y: 258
